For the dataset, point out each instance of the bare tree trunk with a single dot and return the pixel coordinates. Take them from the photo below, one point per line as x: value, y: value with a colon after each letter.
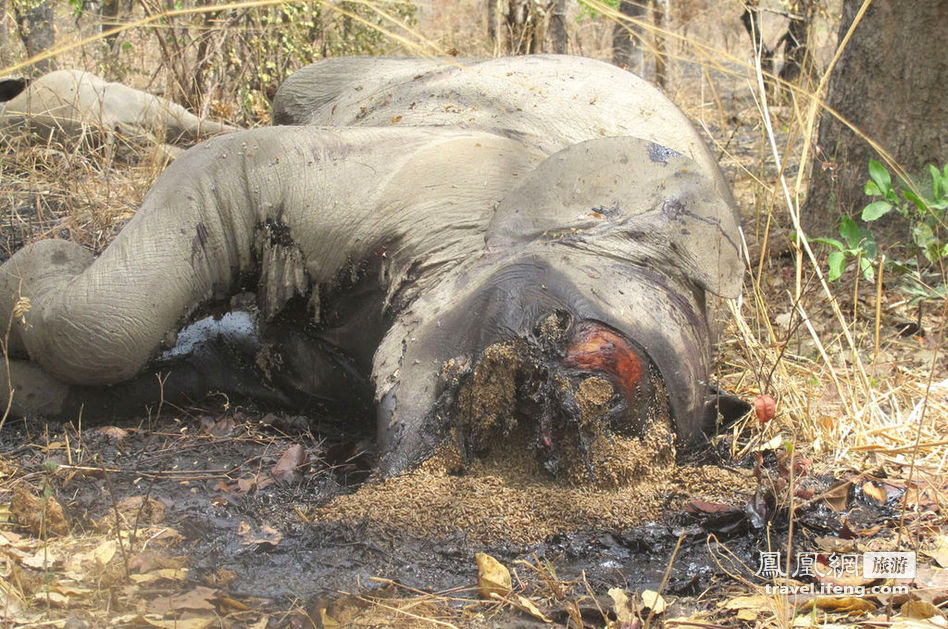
x: 660, y: 12
x: 889, y: 83
x: 558, y: 32
x: 751, y: 20
x: 493, y: 20
x: 796, y: 41
x: 525, y: 24
x: 108, y: 18
x: 35, y: 24
x: 4, y: 35
x: 626, y: 37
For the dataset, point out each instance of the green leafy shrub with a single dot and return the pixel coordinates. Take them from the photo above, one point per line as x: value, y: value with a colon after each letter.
x: 922, y: 268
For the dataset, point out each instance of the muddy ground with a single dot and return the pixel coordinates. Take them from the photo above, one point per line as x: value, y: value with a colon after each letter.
x: 270, y: 518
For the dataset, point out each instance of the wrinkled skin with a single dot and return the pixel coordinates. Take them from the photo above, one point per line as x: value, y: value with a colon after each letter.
x: 500, y: 193
x: 69, y: 104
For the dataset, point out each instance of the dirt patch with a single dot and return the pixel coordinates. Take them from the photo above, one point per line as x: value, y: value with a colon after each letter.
x: 508, y: 496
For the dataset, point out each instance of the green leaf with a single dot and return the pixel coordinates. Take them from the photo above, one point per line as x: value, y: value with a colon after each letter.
x: 126, y: 46
x: 919, y: 202
x: 876, y: 210
x: 832, y: 242
x: 872, y: 190
x: 850, y: 231
x: 837, y: 264
x: 880, y: 175
x: 938, y: 188
x: 868, y: 267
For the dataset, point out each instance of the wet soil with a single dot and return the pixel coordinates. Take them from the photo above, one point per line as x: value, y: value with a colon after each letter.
x: 331, y: 528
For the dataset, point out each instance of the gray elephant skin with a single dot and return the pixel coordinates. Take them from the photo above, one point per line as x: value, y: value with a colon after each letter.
x: 67, y: 105
x: 419, y: 213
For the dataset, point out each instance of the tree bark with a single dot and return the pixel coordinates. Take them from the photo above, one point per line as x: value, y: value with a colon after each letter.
x: 626, y: 52
x: 493, y: 20
x: 659, y: 15
x: 889, y: 83
x: 525, y: 24
x: 558, y: 33
x: 4, y: 35
x: 796, y: 41
x: 35, y: 23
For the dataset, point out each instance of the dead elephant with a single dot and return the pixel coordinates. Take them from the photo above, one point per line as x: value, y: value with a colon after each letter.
x: 525, y: 239
x: 69, y: 105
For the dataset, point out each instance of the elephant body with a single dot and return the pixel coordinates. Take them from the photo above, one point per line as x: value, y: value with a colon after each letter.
x: 70, y: 104
x: 574, y: 220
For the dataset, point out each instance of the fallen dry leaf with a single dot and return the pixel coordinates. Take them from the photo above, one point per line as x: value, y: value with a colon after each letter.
x: 839, y: 604
x: 919, y: 609
x: 940, y: 551
x: 748, y: 615
x: 43, y: 517
x: 181, y: 623
x: 54, y: 599
x: 875, y: 493
x: 104, y: 552
x: 287, y: 468
x: 267, y: 536
x: 114, y: 433
x: 620, y: 602
x: 654, y: 601
x: 199, y: 599
x: 931, y: 584
x: 492, y: 577
x: 527, y: 605
x: 837, y: 498
x: 916, y: 623
x: 162, y: 574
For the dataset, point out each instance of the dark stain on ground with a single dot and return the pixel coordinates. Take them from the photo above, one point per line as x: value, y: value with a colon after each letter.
x: 194, y: 474
x: 193, y: 464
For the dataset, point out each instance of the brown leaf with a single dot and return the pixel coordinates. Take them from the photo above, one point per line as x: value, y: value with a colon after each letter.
x: 199, y: 599
x: 40, y: 516
x: 839, y: 605
x: 287, y: 468
x: 837, y: 498
x: 874, y: 493
x: 492, y: 577
x: 268, y: 535
x: 698, y: 506
x: 113, y: 433
x: 919, y: 609
x: 931, y: 584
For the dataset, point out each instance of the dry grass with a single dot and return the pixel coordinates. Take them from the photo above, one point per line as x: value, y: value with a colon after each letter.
x: 851, y: 391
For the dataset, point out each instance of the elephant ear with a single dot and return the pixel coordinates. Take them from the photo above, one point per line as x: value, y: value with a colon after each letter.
x: 630, y: 200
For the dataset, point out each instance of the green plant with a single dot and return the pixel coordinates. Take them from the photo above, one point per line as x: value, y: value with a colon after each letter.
x: 922, y: 270
x: 859, y: 244
x: 925, y: 211
x: 587, y: 11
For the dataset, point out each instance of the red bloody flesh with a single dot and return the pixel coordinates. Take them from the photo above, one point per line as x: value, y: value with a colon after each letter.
x: 596, y: 347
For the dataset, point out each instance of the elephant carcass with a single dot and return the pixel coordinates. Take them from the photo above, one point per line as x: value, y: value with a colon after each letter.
x: 547, y: 101
x: 67, y: 105
x: 583, y: 260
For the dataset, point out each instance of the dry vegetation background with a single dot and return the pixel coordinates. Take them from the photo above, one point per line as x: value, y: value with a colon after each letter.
x: 856, y: 386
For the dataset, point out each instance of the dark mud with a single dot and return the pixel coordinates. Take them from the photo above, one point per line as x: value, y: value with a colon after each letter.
x: 212, y: 475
